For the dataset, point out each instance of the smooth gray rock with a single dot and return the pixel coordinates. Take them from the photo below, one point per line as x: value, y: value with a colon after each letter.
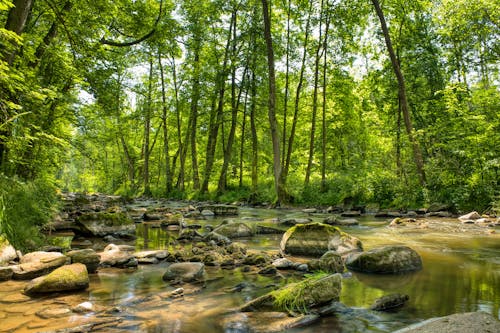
x: 185, y: 272
x: 470, y: 322
x: 386, y: 260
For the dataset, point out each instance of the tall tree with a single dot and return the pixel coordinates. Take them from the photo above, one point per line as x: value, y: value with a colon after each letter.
x: 417, y: 154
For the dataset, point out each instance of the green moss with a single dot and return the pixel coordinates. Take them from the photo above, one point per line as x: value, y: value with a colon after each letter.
x: 291, y: 297
x: 109, y: 219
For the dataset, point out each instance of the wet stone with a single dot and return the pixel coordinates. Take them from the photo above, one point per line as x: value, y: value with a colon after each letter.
x: 53, y: 313
x: 14, y: 298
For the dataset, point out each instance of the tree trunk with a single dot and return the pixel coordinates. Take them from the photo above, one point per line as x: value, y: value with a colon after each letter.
x: 166, y: 147
x: 287, y: 83
x: 195, y: 96
x: 291, y: 138
x: 16, y: 22
x: 273, y: 123
x: 216, y: 117
x: 417, y: 154
x: 315, y: 102
x: 323, y: 113
x: 147, y: 130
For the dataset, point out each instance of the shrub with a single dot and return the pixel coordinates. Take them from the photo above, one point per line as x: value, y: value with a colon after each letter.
x: 25, y: 207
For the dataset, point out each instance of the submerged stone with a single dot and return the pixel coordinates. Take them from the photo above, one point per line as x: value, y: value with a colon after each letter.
x: 389, y: 302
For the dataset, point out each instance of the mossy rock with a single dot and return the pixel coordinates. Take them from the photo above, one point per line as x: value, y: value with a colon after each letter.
x: 330, y: 262
x: 300, y: 297
x: 314, y: 239
x: 386, y: 260
x: 88, y: 257
x: 105, y: 223
x: 65, y: 278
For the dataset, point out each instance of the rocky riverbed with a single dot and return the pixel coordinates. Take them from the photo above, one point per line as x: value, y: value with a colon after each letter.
x: 148, y: 265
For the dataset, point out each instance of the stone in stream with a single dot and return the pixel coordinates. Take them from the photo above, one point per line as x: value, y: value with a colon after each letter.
x: 65, y: 278
x: 38, y: 263
x: 88, y: 257
x: 333, y: 220
x: 118, y: 256
x: 220, y: 210
x: 470, y: 216
x: 389, y: 302
x: 185, y: 272
x: 393, y: 259
x: 264, y: 322
x: 234, y: 230
x: 299, y: 297
x: 314, y: 239
x: 330, y: 262
x: 294, y: 221
x: 471, y: 322
x: 6, y: 273
x: 101, y: 224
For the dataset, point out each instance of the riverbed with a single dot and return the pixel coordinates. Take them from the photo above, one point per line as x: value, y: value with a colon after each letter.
x: 461, y: 273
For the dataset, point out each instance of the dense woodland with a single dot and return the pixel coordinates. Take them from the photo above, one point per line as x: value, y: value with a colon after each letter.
x: 389, y: 103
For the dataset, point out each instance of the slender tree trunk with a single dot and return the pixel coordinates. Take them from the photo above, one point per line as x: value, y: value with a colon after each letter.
x: 417, y: 154
x: 243, y: 133
x: 273, y: 123
x: 323, y: 113
x: 287, y: 83
x: 315, y: 102
x: 291, y: 138
x: 194, y: 117
x: 166, y: 147
x: 216, y: 117
x: 147, y: 130
x: 255, y: 139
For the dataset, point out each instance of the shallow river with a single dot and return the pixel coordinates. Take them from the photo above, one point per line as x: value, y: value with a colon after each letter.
x: 461, y: 273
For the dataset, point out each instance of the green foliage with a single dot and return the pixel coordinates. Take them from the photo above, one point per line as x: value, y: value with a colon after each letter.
x: 25, y: 207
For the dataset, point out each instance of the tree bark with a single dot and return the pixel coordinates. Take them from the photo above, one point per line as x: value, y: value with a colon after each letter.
x: 166, y: 144
x: 273, y: 123
x: 147, y: 130
x: 298, y: 91
x: 417, y: 154
x: 315, y: 102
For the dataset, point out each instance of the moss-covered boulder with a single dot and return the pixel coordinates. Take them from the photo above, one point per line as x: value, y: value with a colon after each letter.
x: 38, y: 263
x: 299, y: 297
x: 65, y: 278
x: 101, y: 224
x: 386, y: 260
x: 330, y: 262
x: 234, y: 230
x: 314, y: 239
x: 88, y: 257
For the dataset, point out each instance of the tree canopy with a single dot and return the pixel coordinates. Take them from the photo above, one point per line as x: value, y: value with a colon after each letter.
x: 322, y: 102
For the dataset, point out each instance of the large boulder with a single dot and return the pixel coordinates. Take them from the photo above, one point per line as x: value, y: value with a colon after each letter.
x: 477, y: 322
x: 101, y: 224
x: 300, y: 297
x: 118, y: 256
x: 185, y: 272
x: 88, y: 257
x: 392, y: 259
x: 65, y: 278
x: 314, y: 239
x: 38, y: 263
x: 234, y: 230
x: 7, y: 252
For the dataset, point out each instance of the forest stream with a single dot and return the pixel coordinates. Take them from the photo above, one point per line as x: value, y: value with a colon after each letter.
x: 461, y: 273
